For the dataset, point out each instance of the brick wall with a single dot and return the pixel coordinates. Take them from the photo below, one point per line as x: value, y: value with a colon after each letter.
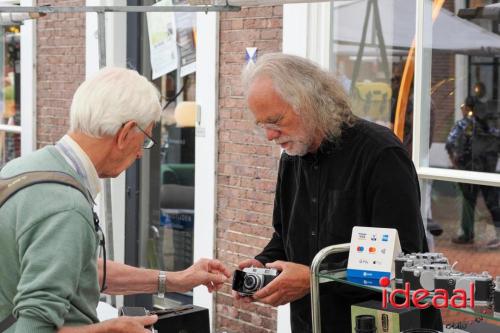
x: 60, y: 68
x: 247, y: 164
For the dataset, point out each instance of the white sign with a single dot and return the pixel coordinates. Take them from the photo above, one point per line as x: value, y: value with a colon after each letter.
x: 162, y: 41
x: 251, y: 55
x: 372, y: 254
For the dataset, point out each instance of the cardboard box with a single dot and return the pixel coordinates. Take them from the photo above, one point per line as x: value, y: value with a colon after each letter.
x: 390, y: 320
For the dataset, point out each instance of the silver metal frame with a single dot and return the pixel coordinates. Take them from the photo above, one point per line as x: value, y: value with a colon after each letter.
x: 117, y: 9
x: 315, y: 266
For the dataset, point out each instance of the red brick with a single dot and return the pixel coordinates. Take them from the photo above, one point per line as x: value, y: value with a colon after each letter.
x: 60, y: 69
x: 247, y: 164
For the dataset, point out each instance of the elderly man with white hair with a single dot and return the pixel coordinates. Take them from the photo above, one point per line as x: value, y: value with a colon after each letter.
x: 50, y: 273
x: 336, y: 172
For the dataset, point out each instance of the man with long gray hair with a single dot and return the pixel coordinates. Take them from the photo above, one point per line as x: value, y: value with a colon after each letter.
x: 336, y: 172
x: 49, y: 240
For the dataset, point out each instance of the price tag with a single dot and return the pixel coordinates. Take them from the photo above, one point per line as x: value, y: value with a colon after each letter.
x: 372, y: 254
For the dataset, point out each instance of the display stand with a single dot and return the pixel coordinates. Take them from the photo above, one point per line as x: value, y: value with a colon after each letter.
x: 485, y: 312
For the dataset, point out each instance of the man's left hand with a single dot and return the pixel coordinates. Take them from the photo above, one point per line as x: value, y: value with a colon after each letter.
x: 290, y: 285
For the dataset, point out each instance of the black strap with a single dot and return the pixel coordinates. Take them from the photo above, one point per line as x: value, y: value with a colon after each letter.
x: 7, y: 322
x: 12, y: 185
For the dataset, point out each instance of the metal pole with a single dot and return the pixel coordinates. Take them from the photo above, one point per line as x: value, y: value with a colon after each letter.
x: 101, y: 33
x: 315, y: 266
x: 108, y: 206
x: 118, y: 9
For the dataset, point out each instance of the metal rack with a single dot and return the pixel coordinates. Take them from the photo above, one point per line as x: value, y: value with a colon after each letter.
x: 315, y: 267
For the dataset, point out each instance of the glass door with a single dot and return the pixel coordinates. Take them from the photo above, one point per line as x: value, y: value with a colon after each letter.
x: 10, y: 93
x: 167, y: 172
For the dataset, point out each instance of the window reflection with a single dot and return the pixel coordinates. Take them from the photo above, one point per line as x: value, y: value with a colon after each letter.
x: 373, y: 56
x: 448, y: 206
x: 171, y: 234
x: 10, y: 146
x: 10, y: 143
x: 465, y: 92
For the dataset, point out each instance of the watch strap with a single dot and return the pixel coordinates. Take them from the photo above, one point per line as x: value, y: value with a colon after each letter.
x: 162, y: 284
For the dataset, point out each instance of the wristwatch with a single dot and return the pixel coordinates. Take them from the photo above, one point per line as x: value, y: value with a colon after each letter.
x: 162, y: 283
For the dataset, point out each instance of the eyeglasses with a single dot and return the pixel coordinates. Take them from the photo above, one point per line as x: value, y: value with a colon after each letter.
x: 148, y: 140
x: 274, y: 124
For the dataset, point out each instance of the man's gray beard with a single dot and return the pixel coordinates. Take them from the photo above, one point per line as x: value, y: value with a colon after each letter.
x: 301, y: 150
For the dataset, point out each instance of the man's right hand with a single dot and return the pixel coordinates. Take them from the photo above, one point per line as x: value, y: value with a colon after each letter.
x: 245, y: 264
x: 130, y: 324
x: 118, y: 325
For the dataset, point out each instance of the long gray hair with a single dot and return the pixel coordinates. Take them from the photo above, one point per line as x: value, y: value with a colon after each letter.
x: 312, y: 92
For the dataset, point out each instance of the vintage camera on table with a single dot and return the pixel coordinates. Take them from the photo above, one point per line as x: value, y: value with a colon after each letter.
x: 421, y: 275
x: 248, y: 281
x: 432, y: 271
x: 420, y: 260
x: 483, y: 284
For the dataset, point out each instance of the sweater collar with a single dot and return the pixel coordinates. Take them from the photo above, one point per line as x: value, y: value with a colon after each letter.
x: 76, y: 157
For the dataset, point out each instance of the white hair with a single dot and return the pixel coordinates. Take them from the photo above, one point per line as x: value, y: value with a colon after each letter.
x: 313, y: 93
x: 110, y: 98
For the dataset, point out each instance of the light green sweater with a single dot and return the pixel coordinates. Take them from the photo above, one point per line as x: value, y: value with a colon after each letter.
x: 48, y: 250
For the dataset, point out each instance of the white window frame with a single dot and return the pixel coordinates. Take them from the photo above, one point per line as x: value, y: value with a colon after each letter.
x: 423, y: 62
x: 27, y: 129
x: 297, y: 40
x: 207, y: 88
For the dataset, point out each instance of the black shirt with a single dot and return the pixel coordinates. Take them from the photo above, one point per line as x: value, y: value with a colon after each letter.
x: 365, y: 178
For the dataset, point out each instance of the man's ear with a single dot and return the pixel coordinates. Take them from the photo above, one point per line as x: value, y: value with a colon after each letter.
x: 122, y: 138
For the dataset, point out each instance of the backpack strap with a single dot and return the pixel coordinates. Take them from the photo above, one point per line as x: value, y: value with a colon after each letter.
x: 12, y: 185
x: 7, y: 322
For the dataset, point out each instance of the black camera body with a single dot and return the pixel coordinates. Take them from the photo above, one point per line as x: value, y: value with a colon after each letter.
x: 251, y: 279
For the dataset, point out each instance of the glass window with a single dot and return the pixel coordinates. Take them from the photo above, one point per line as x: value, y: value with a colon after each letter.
x: 168, y: 178
x: 459, y: 126
x: 177, y: 149
x: 464, y: 88
x: 371, y: 42
x: 10, y: 117
x: 373, y: 54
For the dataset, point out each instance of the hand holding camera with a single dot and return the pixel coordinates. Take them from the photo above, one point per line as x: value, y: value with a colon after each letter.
x: 279, y: 283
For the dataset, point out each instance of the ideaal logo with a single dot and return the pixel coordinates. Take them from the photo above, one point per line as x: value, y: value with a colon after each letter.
x: 440, y: 299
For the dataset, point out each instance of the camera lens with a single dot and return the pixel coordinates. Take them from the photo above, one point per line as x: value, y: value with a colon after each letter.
x: 251, y: 282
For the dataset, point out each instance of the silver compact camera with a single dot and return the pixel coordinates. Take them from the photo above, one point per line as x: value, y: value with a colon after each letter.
x: 422, y: 275
x: 251, y: 279
x: 483, y: 284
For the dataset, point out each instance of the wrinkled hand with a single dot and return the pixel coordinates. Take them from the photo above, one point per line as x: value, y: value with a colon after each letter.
x: 129, y: 324
x: 245, y: 264
x: 208, y: 272
x: 290, y: 285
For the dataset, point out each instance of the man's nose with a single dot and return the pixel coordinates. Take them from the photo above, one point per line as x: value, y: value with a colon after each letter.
x: 272, y: 134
